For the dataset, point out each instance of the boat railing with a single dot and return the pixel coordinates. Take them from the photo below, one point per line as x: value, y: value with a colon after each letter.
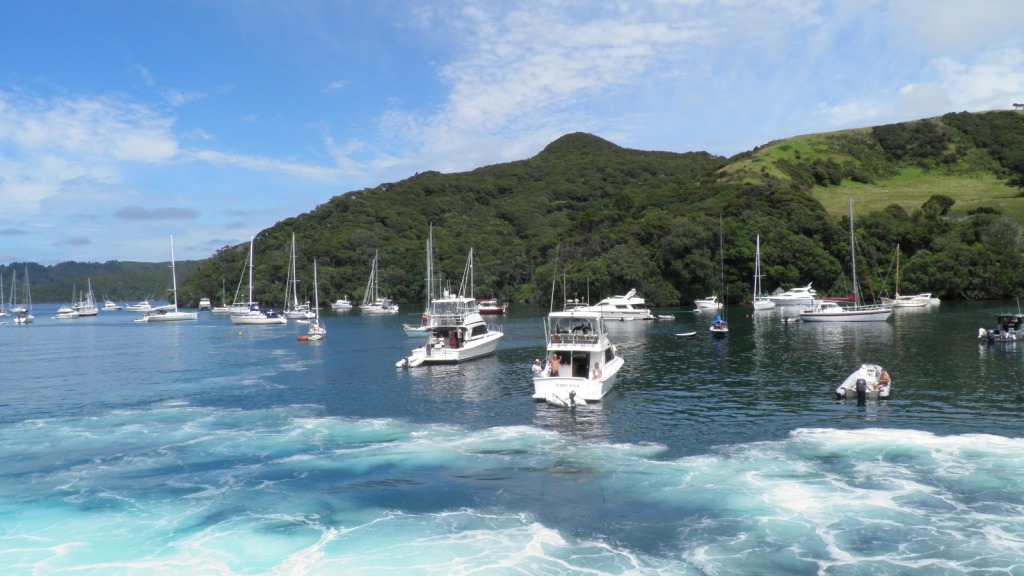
x: 447, y: 319
x: 574, y: 338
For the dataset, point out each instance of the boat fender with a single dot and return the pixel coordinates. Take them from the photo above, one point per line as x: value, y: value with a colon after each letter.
x: 862, y: 388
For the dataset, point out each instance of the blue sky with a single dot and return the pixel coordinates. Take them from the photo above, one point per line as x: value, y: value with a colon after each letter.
x: 123, y: 122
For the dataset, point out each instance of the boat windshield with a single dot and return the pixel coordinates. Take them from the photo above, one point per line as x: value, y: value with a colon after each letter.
x: 452, y: 310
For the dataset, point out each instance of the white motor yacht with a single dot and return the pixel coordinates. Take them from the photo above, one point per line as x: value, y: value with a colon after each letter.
x: 581, y: 363
x: 626, y: 307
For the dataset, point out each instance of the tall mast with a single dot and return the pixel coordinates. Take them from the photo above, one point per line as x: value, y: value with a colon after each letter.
x: 853, y: 258
x: 251, y: 240
x: 174, y: 277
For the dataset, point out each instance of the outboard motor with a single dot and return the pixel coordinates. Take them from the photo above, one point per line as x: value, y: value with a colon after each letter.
x: 862, y: 389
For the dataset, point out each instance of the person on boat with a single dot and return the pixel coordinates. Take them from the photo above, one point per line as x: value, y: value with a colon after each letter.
x: 883, y: 380
x: 555, y: 362
x: 537, y: 369
x: 596, y: 374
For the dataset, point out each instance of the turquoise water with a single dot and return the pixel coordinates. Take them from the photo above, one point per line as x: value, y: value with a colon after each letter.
x: 199, y: 448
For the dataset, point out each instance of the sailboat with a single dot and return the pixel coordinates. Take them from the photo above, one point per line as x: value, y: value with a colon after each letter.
x: 720, y: 327
x: 223, y: 308
x: 252, y: 313
x: 827, y: 311
x: 761, y: 301
x: 168, y: 314
x: 423, y: 329
x: 901, y: 301
x: 292, y: 309
x: 15, y: 307
x: 372, y: 302
x: 23, y: 314
x: 316, y: 330
x: 86, y: 305
x: 3, y: 306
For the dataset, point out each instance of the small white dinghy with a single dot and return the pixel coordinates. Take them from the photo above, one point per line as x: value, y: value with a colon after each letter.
x: 869, y: 382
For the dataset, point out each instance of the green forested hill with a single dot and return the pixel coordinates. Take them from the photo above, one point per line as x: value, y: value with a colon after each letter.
x: 615, y: 219
x: 595, y: 217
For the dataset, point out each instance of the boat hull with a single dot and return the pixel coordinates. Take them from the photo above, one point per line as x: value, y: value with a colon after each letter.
x: 470, y: 350
x: 591, y: 390
x: 258, y: 320
x: 848, y: 316
x: 169, y: 317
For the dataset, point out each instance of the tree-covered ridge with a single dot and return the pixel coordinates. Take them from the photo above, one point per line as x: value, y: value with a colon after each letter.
x: 120, y: 281
x: 592, y: 216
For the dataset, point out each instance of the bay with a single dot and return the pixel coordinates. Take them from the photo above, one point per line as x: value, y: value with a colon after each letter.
x: 202, y: 448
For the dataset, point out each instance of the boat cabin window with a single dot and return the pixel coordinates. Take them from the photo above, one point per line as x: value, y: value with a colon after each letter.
x: 479, y: 330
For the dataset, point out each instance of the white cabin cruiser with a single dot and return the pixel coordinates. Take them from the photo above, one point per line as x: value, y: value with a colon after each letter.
x: 457, y: 330
x: 711, y: 304
x: 798, y: 296
x: 457, y: 333
x: 627, y: 307
x: 581, y: 362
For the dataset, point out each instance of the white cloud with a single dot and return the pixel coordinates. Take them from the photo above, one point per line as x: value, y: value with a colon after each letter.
x: 263, y: 164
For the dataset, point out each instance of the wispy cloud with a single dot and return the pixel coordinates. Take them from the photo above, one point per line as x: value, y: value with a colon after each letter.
x: 161, y: 213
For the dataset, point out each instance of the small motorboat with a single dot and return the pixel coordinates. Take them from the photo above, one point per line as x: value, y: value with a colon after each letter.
x: 869, y: 382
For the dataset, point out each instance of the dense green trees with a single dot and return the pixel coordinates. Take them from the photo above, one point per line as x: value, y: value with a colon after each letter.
x: 598, y: 219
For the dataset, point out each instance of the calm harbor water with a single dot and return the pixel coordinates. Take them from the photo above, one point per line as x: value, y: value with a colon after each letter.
x: 207, y: 448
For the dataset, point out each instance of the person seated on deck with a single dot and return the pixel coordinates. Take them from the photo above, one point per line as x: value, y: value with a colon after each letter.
x: 883, y: 380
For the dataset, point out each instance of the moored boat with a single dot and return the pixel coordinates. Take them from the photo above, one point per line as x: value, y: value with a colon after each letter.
x: 492, y: 306
x: 373, y: 302
x: 249, y: 313
x: 169, y: 313
x: 457, y: 330
x: 626, y: 307
x: 761, y: 301
x: 868, y: 382
x: 342, y: 304
x: 797, y: 296
x: 579, y: 358
x: 1009, y: 328
x: 710, y: 303
x: 826, y: 311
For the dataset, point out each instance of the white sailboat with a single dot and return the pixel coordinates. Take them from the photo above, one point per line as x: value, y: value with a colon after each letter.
x: 24, y: 311
x: 171, y: 314
x: 761, y: 300
x: 826, y: 311
x: 372, y: 301
x: 15, y: 306
x: 316, y: 330
x: 905, y: 301
x: 252, y: 314
x: 423, y: 330
x: 3, y: 305
x: 292, y: 307
x: 86, y: 305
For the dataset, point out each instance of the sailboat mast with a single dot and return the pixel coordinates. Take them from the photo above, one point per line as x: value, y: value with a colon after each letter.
x: 853, y: 258
x: 316, y: 293
x: 174, y: 277
x: 251, y: 240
